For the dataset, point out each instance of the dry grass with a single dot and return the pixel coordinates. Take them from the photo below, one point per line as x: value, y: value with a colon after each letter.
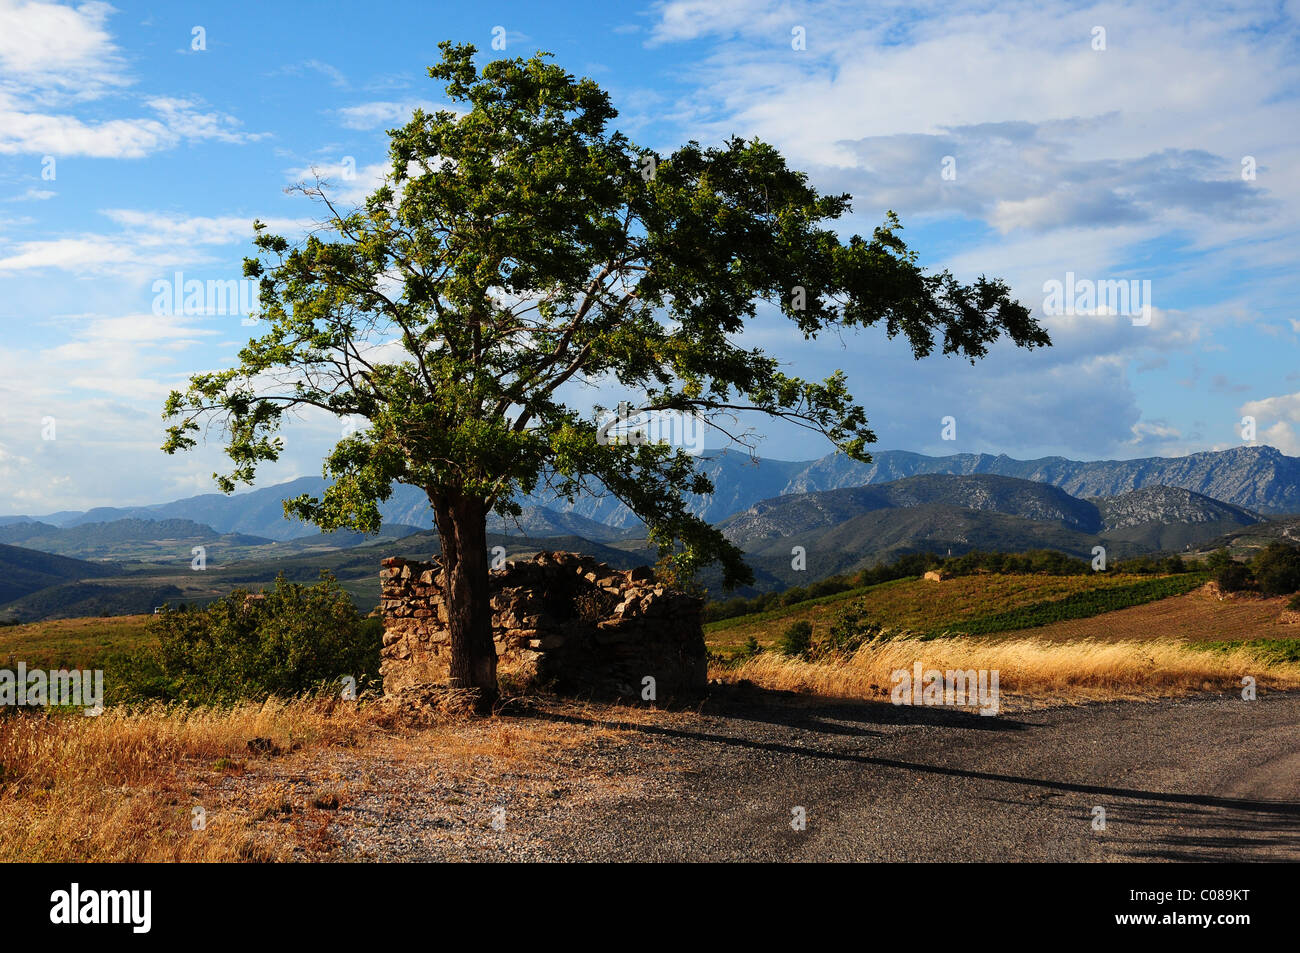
x: 271, y: 777
x: 121, y: 786
x: 1029, y: 669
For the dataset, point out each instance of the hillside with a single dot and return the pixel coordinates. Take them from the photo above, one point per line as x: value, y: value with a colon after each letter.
x: 1258, y: 478
x: 24, y: 571
x: 118, y: 590
x: 987, y: 603
x: 75, y: 600
x: 1168, y: 504
x: 848, y: 529
x: 791, y: 515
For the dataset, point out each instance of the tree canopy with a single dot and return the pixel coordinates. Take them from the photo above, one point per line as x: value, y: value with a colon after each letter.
x: 520, y: 248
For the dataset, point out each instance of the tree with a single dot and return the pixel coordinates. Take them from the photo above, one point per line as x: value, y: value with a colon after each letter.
x: 1276, y: 568
x: 519, y: 246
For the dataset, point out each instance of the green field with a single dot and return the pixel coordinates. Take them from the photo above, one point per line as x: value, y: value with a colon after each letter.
x: 981, y: 604
x: 71, y: 643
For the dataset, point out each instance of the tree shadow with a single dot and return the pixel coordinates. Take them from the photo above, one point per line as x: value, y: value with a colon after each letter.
x: 1204, y: 829
x: 825, y: 716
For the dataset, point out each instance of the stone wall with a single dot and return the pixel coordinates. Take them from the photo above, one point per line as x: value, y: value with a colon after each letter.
x: 560, y: 620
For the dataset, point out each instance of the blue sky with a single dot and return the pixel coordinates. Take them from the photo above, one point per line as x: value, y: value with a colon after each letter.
x: 126, y: 155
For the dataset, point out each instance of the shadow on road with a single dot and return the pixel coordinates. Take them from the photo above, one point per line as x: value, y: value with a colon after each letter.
x: 829, y: 717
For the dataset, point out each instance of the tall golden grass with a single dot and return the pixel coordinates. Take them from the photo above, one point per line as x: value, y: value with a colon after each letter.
x: 1046, y: 672
x: 121, y: 786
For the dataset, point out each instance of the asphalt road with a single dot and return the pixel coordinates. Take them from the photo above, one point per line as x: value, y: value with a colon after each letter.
x: 1209, y: 778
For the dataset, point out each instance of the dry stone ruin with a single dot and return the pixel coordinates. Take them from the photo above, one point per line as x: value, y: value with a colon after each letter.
x: 559, y: 620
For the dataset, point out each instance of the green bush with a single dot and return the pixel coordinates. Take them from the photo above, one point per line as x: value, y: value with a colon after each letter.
x: 849, y: 629
x: 1233, y: 577
x: 793, y: 595
x: 797, y: 639
x: 1294, y: 603
x: 284, y: 641
x: 1276, y: 568
x: 1219, y: 559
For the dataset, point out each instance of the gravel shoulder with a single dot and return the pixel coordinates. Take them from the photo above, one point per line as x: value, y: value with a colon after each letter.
x: 1207, y: 778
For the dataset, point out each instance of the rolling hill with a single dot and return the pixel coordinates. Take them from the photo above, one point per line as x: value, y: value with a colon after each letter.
x: 24, y: 571
x: 802, y: 513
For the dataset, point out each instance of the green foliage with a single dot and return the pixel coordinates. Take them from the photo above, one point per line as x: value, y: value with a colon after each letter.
x: 1276, y: 569
x: 1268, y: 651
x: 519, y: 244
x: 285, y: 641
x: 850, y: 627
x: 1234, y: 577
x: 1218, y: 560
x: 1294, y: 603
x: 796, y: 641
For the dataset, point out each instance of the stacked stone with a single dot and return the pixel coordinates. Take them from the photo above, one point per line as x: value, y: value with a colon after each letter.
x: 560, y: 619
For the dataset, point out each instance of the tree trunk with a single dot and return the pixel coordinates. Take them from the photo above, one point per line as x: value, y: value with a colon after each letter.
x: 462, y: 527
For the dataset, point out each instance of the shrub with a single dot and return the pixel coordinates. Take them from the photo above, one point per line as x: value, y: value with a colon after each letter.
x: 284, y: 641
x: 1219, y: 559
x: 849, y: 629
x: 1276, y: 568
x: 1294, y: 603
x: 1233, y: 577
x: 797, y: 639
x: 794, y: 595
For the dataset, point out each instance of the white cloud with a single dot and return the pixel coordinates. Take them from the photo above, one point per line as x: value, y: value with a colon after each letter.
x: 385, y: 114
x: 1277, y: 421
x: 346, y: 183
x: 54, y: 56
x: 149, y: 244
x: 179, y: 120
x: 60, y: 47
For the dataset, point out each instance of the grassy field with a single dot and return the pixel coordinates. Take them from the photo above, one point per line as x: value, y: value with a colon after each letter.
x: 983, y: 603
x: 1033, y: 672
x: 67, y: 643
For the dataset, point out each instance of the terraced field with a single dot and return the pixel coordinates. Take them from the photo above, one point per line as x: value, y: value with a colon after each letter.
x: 980, y: 604
x: 1198, y: 617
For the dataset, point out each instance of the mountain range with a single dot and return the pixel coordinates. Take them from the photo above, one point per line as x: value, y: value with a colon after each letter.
x: 1257, y: 478
x: 848, y: 529
x: 133, y: 558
